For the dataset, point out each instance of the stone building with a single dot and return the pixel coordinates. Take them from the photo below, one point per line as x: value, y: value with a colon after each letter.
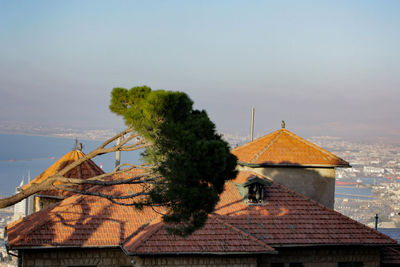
x: 259, y: 221
x: 283, y: 228
x: 294, y: 162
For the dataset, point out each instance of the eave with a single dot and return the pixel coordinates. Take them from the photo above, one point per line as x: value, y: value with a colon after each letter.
x: 291, y: 165
x: 60, y: 247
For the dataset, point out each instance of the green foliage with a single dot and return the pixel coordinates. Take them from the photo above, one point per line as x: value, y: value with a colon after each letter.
x: 192, y: 158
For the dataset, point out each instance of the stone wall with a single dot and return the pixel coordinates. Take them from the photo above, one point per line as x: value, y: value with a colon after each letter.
x: 75, y: 257
x: 43, y: 202
x: 197, y: 261
x: 117, y: 258
x: 315, y: 183
x: 310, y: 257
x: 323, y: 256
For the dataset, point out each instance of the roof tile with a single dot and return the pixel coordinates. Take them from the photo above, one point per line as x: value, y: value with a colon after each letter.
x: 283, y: 147
x: 298, y: 221
x: 85, y: 170
x: 285, y: 218
x: 215, y: 237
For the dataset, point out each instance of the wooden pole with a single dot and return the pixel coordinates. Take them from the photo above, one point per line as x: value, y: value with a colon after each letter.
x: 118, y: 154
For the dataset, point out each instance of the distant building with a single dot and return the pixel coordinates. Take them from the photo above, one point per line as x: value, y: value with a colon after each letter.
x: 373, y: 170
x: 20, y: 207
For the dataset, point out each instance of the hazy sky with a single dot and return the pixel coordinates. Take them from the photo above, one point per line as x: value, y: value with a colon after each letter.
x: 326, y: 67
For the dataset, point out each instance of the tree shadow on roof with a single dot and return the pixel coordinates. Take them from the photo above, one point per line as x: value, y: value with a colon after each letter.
x: 79, y: 221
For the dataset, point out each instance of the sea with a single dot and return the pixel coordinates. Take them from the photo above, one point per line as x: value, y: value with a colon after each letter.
x: 364, y: 193
x: 353, y: 192
x: 24, y: 155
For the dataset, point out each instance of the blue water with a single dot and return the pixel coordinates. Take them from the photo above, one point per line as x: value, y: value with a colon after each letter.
x: 363, y: 193
x: 20, y: 154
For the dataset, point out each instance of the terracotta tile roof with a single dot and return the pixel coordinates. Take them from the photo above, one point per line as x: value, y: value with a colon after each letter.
x: 215, y: 237
x: 285, y: 219
x: 86, y: 170
x: 283, y: 147
x: 288, y: 218
x: 81, y: 221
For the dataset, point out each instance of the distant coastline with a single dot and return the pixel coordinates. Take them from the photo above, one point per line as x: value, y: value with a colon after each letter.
x: 96, y: 135
x: 24, y: 155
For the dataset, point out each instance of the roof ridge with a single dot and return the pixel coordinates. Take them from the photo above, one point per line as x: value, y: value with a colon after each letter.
x: 255, y: 140
x: 314, y: 146
x: 142, y: 236
x: 268, y: 146
x: 85, y: 170
x: 56, y: 165
x: 283, y: 147
x: 216, y: 217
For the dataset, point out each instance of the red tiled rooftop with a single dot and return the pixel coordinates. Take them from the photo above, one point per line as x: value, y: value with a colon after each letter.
x: 283, y: 147
x: 286, y: 218
x: 215, y: 237
x: 85, y: 170
x: 81, y: 221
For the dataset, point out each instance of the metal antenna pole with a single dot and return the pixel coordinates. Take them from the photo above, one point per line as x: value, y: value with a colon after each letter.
x: 252, y: 124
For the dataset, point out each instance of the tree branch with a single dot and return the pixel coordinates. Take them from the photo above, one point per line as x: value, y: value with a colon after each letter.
x: 103, y: 150
x: 98, y: 194
x: 70, y: 182
x: 115, y: 137
x: 50, y: 183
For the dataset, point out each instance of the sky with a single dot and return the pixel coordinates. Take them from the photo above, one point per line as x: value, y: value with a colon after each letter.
x: 325, y: 67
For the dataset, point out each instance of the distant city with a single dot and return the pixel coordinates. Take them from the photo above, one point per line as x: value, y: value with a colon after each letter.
x: 370, y: 187
x: 372, y: 184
